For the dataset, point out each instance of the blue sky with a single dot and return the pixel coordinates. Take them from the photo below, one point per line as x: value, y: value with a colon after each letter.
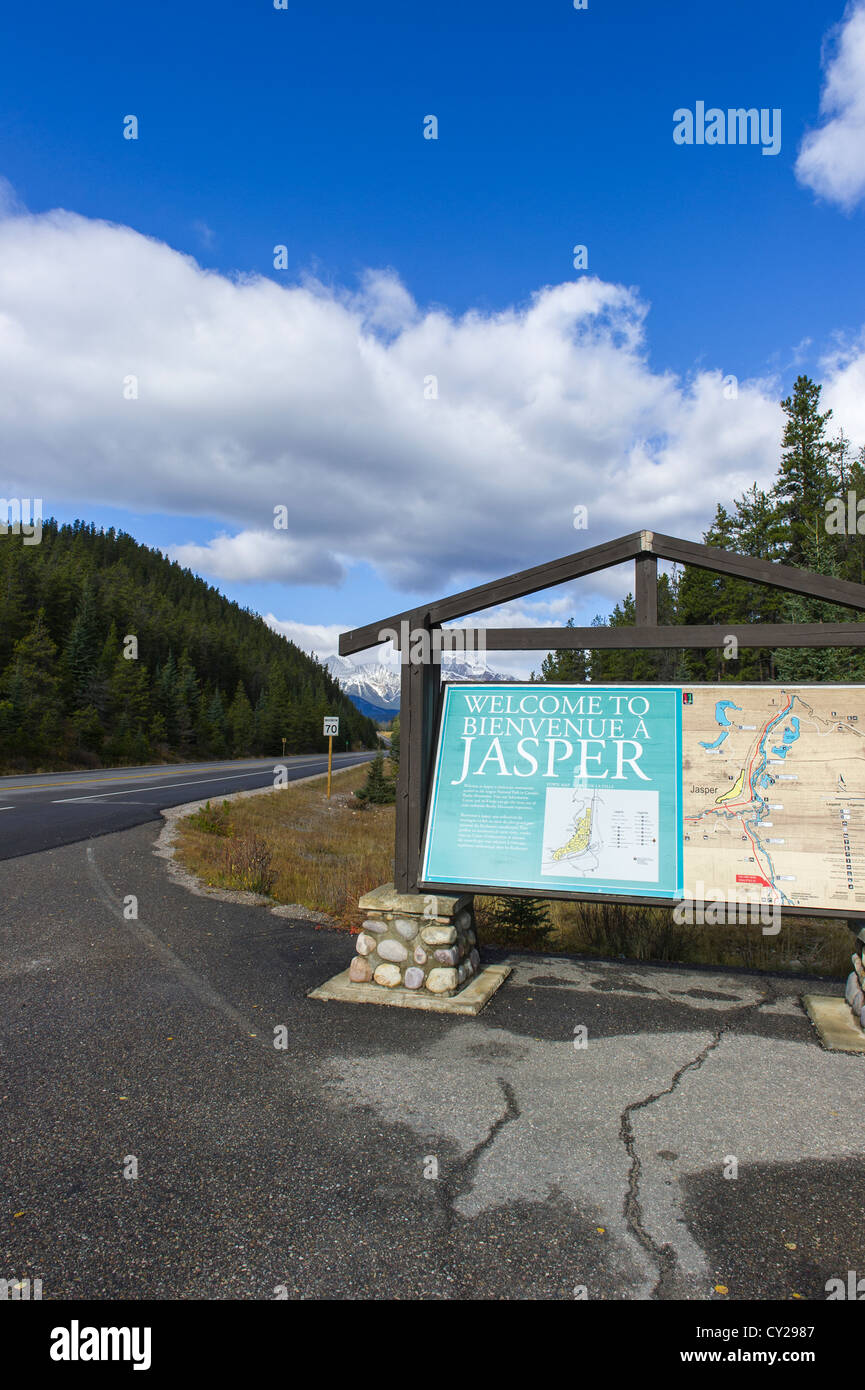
x: 303, y: 127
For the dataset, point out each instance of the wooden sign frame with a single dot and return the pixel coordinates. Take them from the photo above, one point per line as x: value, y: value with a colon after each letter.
x: 421, y: 679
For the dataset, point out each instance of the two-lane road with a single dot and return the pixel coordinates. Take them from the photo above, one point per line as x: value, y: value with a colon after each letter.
x: 45, y: 810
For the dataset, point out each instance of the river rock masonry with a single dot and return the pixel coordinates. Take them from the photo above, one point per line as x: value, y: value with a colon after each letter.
x: 416, y: 941
x: 855, y: 989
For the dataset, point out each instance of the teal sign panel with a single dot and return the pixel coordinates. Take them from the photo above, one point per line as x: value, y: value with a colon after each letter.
x: 558, y: 788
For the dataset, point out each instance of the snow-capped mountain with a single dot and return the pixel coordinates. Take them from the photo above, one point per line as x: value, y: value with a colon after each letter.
x: 375, y: 684
x: 375, y: 689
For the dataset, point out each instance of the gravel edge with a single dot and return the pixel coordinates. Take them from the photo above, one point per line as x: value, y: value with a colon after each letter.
x: 165, y: 847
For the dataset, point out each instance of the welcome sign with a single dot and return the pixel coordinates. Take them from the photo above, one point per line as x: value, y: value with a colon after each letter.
x: 737, y: 793
x: 558, y: 788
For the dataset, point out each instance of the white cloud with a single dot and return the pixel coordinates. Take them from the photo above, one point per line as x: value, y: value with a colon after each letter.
x: 844, y: 388
x: 322, y: 639
x: 10, y: 204
x: 832, y: 157
x: 205, y: 234
x: 253, y: 394
x: 260, y: 557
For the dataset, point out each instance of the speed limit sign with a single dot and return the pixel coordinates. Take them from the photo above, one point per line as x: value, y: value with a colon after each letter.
x: 331, y: 725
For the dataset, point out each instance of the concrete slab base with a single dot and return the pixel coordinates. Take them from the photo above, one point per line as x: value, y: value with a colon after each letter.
x: 469, y: 1000
x: 835, y: 1023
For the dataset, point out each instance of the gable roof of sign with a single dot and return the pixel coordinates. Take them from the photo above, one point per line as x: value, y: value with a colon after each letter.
x: 600, y: 557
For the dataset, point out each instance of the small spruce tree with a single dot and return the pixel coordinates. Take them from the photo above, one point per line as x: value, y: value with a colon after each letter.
x: 378, y: 790
x: 519, y: 922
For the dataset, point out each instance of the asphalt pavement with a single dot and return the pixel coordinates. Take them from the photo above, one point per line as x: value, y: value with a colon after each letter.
x: 157, y: 1143
x: 44, y: 810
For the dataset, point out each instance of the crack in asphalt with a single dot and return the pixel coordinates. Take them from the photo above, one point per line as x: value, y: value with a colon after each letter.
x: 664, y: 1256
x: 667, y: 1284
x: 459, y: 1181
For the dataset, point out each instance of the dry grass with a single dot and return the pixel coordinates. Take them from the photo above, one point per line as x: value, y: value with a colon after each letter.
x: 326, y: 855
x: 812, y: 946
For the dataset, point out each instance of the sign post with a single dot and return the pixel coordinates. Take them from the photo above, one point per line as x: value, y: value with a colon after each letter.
x: 331, y: 729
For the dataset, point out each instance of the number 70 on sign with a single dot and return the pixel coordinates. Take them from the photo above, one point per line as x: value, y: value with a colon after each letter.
x: 331, y: 729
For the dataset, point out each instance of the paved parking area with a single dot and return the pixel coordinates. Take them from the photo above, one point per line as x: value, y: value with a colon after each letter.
x: 387, y: 1153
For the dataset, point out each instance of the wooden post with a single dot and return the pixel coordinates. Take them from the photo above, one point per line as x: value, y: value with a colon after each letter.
x: 419, y: 685
x: 646, y: 590
x: 329, y: 762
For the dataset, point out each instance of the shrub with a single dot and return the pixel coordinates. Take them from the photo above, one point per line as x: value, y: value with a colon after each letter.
x: 212, y: 819
x: 246, y: 864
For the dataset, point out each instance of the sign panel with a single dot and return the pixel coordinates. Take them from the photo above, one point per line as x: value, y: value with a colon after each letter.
x: 331, y: 725
x: 738, y: 794
x: 558, y: 787
x: 773, y: 789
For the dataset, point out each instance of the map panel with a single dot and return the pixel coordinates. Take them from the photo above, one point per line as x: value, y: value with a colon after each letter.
x: 773, y: 794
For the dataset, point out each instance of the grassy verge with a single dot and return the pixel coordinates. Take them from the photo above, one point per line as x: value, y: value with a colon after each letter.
x: 322, y: 854
x: 299, y: 848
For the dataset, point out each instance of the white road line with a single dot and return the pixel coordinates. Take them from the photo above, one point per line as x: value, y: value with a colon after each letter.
x: 7, y: 808
x: 166, y: 786
x: 12, y: 785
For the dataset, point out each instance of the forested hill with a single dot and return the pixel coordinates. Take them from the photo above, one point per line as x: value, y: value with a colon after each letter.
x: 202, y: 678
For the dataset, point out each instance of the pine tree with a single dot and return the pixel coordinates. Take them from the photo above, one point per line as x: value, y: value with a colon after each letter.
x: 33, y: 690
x: 82, y: 651
x: 168, y: 698
x: 519, y: 921
x: 216, y: 720
x: 187, y: 700
x: 849, y: 546
x: 129, y: 691
x: 818, y: 663
x: 263, y: 721
x: 567, y: 664
x: 241, y: 722
x: 88, y: 734
x: 14, y: 606
x: 807, y: 472
x: 203, y: 727
x: 705, y: 598
x: 377, y: 790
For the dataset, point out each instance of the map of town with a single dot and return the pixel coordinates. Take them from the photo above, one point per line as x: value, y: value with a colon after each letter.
x: 773, y: 791
x: 569, y: 828
x: 578, y: 843
x: 600, y: 834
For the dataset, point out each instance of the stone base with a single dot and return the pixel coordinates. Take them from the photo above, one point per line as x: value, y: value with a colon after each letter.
x: 469, y: 1000
x: 422, y: 943
x: 837, y: 1027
